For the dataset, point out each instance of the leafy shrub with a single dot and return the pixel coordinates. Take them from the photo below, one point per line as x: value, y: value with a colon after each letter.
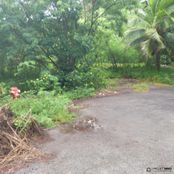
x: 90, y: 78
x: 165, y: 60
x: 3, y: 89
x: 27, y: 70
x: 46, y: 82
x: 119, y: 52
x: 46, y: 109
x: 4, y: 94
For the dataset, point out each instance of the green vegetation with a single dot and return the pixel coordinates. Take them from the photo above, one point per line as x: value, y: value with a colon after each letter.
x: 141, y: 87
x: 154, y: 26
x: 46, y: 108
x: 80, y: 93
x: 56, y: 51
x: 165, y: 75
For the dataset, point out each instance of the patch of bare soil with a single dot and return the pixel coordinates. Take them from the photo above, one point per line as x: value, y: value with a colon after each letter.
x: 15, y: 146
x: 105, y: 93
x: 125, y: 84
x: 86, y: 123
x: 77, y: 105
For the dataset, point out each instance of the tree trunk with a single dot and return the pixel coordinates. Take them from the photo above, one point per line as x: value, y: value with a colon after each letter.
x: 158, y: 65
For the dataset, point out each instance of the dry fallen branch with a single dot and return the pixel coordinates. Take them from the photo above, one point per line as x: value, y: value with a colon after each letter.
x: 14, y: 144
x: 19, y: 148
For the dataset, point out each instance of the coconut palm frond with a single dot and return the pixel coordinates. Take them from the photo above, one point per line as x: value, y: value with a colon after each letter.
x: 163, y: 14
x: 170, y: 9
x: 146, y: 50
x: 135, y: 33
x: 166, y: 4
x: 151, y: 33
x: 170, y: 39
x: 156, y: 37
x: 154, y: 4
x: 138, y: 41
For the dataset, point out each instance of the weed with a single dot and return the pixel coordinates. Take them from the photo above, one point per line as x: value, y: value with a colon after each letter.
x: 165, y: 75
x: 80, y: 93
x: 140, y: 87
x: 46, y: 109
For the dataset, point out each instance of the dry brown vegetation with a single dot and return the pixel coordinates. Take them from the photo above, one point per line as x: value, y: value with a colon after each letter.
x: 15, y: 146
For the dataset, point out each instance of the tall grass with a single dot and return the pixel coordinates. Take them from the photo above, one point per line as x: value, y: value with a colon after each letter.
x: 48, y: 110
x: 165, y: 75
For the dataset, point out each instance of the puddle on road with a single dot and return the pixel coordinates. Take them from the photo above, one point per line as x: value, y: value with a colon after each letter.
x: 85, y: 123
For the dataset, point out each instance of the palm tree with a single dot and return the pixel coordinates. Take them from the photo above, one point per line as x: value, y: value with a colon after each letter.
x: 152, y: 26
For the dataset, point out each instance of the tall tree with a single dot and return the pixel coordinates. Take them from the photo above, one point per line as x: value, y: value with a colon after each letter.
x: 153, y: 25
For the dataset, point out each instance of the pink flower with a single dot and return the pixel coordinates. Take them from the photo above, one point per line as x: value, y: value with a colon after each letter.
x: 15, y: 92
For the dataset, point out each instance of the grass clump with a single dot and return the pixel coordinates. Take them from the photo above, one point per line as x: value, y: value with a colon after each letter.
x: 48, y: 110
x: 141, y: 87
x: 80, y: 93
x: 112, y: 83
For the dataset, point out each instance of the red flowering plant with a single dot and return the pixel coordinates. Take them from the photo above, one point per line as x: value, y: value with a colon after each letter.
x: 15, y: 92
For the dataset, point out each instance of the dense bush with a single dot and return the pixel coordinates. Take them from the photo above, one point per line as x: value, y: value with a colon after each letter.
x: 46, y: 82
x: 27, y: 70
x: 86, y: 78
x: 119, y: 52
x: 3, y: 90
x: 165, y: 60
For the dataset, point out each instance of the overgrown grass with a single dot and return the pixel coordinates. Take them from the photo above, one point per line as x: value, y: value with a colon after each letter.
x: 4, y: 100
x: 164, y: 76
x: 48, y: 110
x: 112, y: 83
x: 80, y: 93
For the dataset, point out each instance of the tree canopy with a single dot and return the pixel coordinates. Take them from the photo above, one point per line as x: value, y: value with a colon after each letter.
x: 63, y: 37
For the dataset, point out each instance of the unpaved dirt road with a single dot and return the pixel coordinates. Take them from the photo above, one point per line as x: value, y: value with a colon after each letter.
x: 137, y: 132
